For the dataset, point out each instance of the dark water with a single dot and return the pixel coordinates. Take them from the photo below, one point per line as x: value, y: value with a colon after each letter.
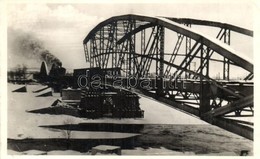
x: 201, y: 139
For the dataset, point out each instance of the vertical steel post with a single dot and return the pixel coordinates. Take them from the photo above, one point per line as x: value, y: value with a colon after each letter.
x: 114, y: 47
x: 130, y: 55
x: 204, y: 89
x: 133, y: 48
x: 162, y: 36
x: 103, y: 57
x: 226, y: 62
x: 187, y: 50
x: 157, y: 52
x: 100, y: 45
x: 91, y: 53
x: 207, y: 61
x: 160, y: 60
x: 142, y: 42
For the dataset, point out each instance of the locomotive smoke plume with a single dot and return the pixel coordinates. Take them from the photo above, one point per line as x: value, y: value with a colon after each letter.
x: 24, y: 45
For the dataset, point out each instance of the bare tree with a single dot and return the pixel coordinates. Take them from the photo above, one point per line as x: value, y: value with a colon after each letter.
x: 66, y: 132
x: 19, y: 72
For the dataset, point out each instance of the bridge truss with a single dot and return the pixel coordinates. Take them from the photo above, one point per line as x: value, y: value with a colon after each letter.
x: 188, y: 70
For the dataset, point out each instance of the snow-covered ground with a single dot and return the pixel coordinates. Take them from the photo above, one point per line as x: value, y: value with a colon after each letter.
x: 25, y: 125
x: 22, y: 124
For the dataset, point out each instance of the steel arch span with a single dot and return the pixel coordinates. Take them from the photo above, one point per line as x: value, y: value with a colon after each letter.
x: 169, y: 50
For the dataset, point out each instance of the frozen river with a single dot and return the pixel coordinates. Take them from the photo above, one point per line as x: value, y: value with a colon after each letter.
x: 162, y: 127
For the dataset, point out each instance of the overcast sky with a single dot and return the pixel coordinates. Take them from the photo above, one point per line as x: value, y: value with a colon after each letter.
x: 62, y: 27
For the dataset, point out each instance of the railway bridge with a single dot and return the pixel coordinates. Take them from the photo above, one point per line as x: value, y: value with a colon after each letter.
x: 183, y: 67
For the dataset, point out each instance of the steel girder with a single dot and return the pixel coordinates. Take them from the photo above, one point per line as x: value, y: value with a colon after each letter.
x: 213, y: 44
x: 212, y: 24
x: 121, y: 44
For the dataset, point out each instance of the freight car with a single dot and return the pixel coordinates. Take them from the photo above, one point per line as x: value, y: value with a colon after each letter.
x: 116, y: 104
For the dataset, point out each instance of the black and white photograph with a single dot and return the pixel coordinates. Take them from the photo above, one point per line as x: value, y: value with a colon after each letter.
x: 128, y: 79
